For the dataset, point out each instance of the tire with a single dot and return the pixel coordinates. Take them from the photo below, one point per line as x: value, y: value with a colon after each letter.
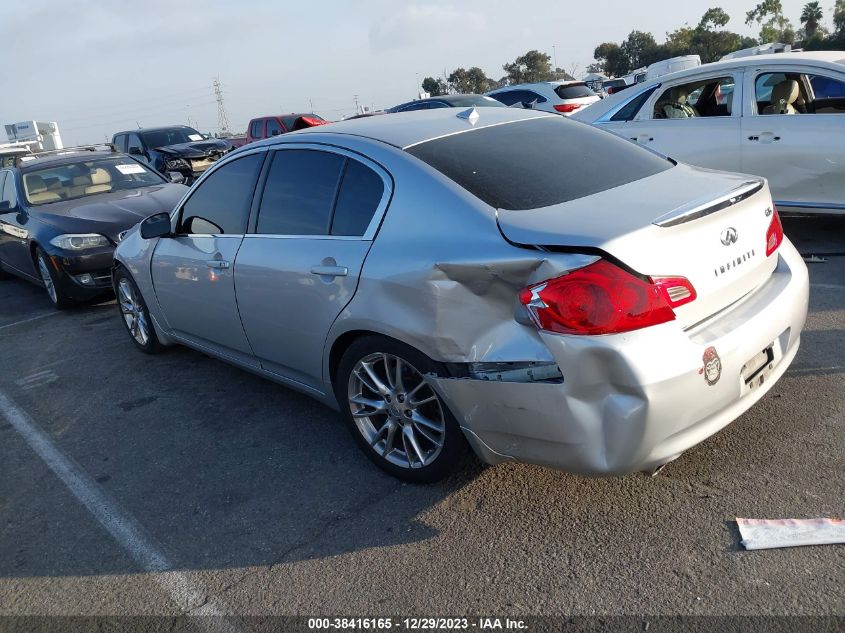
x: 58, y: 297
x: 134, y: 313
x: 410, y: 432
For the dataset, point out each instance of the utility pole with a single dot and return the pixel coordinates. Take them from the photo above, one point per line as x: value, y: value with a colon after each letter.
x: 222, y: 119
x: 554, y: 52
x: 356, y: 104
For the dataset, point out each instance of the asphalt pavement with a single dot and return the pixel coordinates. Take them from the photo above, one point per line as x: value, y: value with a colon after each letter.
x: 173, y: 484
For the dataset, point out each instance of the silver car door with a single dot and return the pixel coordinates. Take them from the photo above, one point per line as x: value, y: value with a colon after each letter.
x: 801, y: 151
x: 702, y: 128
x: 193, y: 270
x: 317, y: 217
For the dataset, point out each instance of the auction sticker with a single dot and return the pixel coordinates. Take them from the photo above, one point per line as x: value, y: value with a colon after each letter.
x: 195, y: 137
x: 131, y: 168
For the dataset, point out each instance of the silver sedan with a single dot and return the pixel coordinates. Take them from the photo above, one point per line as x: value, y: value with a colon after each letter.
x: 511, y: 281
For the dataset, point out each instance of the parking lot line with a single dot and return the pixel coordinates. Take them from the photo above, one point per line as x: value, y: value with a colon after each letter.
x: 123, y: 528
x: 35, y: 318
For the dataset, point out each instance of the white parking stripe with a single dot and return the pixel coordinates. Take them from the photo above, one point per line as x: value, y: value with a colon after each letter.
x: 123, y: 527
x: 35, y: 318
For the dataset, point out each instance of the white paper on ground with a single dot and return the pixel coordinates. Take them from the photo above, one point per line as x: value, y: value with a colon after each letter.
x: 771, y: 533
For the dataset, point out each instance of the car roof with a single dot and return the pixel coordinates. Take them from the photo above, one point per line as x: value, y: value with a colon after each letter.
x: 72, y: 156
x: 404, y: 129
x: 153, y: 129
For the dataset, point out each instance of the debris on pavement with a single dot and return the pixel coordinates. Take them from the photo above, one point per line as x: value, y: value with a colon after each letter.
x: 773, y: 533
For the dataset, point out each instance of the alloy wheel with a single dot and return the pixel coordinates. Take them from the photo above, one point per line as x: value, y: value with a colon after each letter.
x: 47, y: 279
x: 133, y: 312
x: 396, y: 411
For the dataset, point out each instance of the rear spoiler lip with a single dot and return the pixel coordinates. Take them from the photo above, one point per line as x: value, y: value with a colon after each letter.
x: 694, y: 211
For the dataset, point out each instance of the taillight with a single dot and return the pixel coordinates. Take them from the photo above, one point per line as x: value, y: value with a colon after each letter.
x: 604, y: 299
x: 567, y: 107
x: 774, y: 234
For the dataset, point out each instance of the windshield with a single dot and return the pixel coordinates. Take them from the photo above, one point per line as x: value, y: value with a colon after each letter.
x: 170, y: 136
x: 574, y: 91
x: 538, y: 162
x: 90, y: 178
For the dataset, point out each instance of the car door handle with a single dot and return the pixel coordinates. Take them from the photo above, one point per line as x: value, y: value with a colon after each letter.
x: 765, y: 137
x: 330, y: 271
x: 217, y: 263
x: 642, y: 138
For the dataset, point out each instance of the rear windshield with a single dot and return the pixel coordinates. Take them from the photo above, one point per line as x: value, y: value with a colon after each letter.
x: 538, y: 162
x: 574, y: 91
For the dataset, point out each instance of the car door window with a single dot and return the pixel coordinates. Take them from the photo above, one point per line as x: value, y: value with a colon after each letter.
x: 133, y: 140
x: 274, y: 128
x: 220, y: 204
x: 300, y: 192
x: 7, y: 189
x: 782, y: 93
x: 416, y: 106
x: 712, y: 97
x: 289, y: 121
x: 628, y: 111
x: 361, y: 191
x: 509, y: 97
x: 120, y: 142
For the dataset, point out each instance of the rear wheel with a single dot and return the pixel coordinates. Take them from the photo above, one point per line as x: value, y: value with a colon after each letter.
x: 50, y: 279
x: 134, y: 313
x: 394, y: 414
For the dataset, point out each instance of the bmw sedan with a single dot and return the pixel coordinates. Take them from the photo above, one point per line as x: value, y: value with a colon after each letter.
x: 779, y: 116
x: 507, y: 280
x: 62, y: 212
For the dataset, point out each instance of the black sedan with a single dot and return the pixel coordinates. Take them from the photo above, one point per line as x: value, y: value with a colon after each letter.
x: 62, y: 213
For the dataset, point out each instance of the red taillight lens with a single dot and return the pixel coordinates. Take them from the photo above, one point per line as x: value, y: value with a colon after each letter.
x: 567, y: 107
x: 603, y: 299
x: 774, y: 234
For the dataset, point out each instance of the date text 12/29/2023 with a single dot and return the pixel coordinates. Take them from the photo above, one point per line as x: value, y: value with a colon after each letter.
x: 417, y: 624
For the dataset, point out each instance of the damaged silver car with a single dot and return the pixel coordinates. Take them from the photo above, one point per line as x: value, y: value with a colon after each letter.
x: 513, y: 281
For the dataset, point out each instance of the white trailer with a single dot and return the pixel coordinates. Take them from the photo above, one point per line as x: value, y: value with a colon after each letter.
x: 45, y: 135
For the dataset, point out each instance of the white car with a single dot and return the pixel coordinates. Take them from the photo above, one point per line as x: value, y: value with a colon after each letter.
x: 559, y: 97
x: 779, y: 116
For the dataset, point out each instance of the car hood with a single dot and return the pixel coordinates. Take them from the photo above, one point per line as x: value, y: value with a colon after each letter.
x: 196, y: 149
x: 110, y: 214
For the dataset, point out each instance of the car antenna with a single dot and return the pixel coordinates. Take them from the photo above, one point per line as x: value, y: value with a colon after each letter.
x: 470, y: 115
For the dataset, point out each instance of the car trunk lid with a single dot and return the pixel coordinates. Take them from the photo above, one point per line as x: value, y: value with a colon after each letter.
x: 707, y: 226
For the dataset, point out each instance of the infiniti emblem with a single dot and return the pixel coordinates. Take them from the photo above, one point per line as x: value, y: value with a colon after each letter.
x: 729, y: 236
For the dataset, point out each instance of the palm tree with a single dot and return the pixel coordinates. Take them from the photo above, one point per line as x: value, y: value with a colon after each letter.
x: 810, y: 18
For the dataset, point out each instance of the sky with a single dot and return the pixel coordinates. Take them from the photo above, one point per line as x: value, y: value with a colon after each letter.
x: 101, y: 66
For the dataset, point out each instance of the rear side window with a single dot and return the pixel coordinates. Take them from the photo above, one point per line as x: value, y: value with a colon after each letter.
x: 221, y: 202
x: 574, y: 91
x: 300, y: 193
x: 8, y: 189
x: 256, y: 129
x: 511, y: 97
x: 538, y: 162
x: 360, y: 193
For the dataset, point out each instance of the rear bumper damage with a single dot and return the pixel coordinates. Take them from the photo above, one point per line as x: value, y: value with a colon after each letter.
x: 635, y: 401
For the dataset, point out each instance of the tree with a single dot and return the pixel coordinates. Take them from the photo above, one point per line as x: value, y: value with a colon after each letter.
x: 468, y: 81
x: 612, y: 60
x: 776, y: 28
x: 811, y: 16
x: 713, y: 19
x: 640, y: 48
x: 529, y: 68
x: 435, y: 87
x: 839, y: 18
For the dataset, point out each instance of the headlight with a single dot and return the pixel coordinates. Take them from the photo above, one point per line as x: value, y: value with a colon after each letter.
x: 177, y: 163
x: 80, y: 241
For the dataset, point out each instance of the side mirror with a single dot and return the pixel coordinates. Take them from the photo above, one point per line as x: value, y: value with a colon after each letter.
x: 176, y: 176
x: 157, y: 225
x: 136, y: 151
x: 6, y: 207
x: 275, y: 132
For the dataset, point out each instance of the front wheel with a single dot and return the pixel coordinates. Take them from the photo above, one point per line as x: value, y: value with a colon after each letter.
x: 395, y: 416
x: 134, y: 313
x: 50, y: 279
